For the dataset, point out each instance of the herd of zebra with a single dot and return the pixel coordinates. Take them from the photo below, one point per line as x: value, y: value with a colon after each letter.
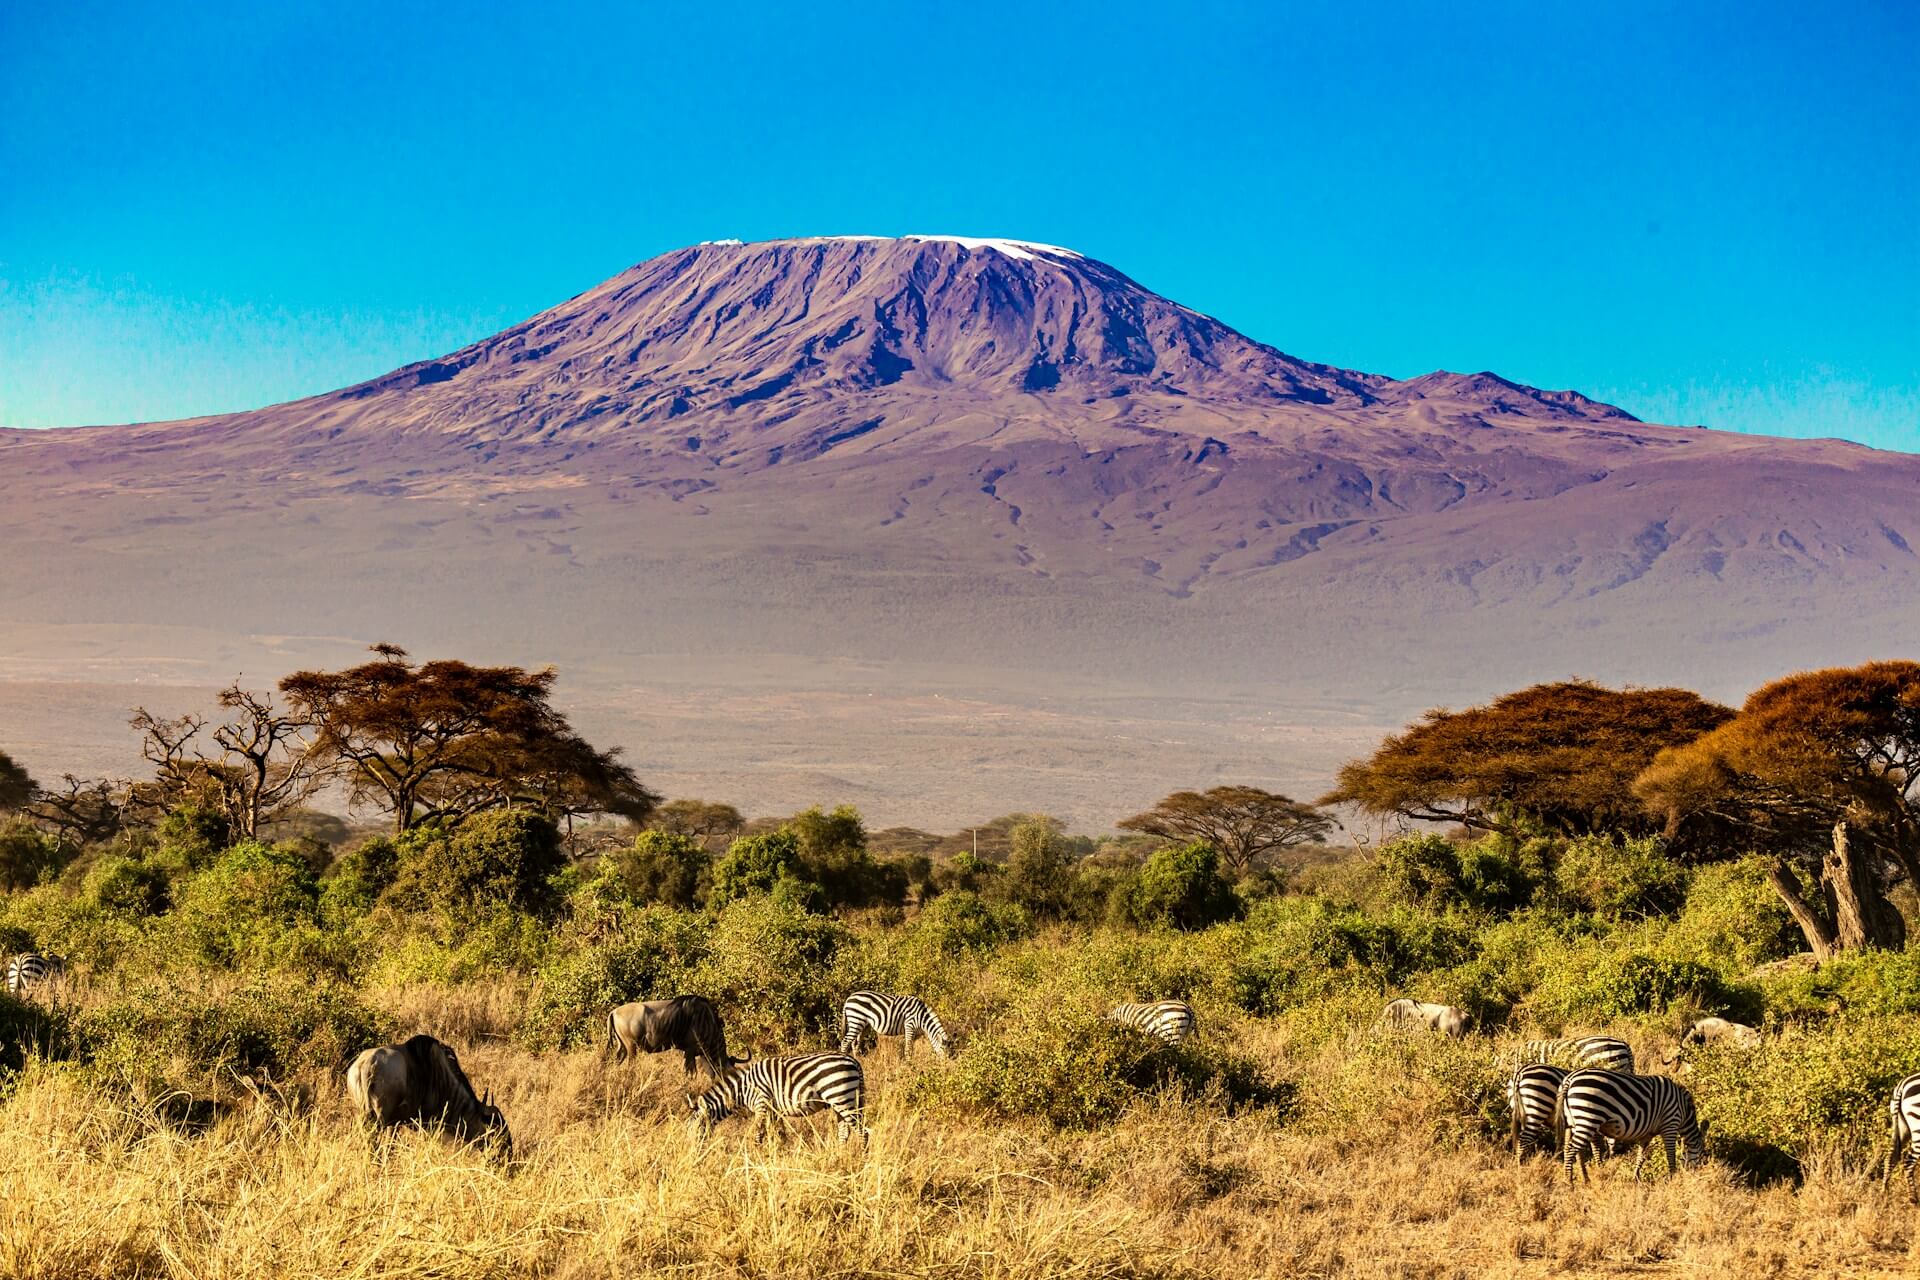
x: 419, y: 1081
x: 1575, y: 1094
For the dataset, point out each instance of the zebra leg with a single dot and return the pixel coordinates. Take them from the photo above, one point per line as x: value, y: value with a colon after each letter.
x: 1673, y: 1160
x: 906, y: 1043
x: 1641, y: 1161
x: 850, y: 1037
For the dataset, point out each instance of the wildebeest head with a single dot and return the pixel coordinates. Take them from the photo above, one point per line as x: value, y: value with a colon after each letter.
x: 493, y: 1126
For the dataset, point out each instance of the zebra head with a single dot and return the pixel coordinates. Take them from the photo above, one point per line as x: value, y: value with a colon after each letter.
x: 1695, y: 1138
x: 710, y: 1108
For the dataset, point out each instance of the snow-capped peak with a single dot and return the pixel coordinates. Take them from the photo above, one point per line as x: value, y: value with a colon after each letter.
x: 1021, y: 249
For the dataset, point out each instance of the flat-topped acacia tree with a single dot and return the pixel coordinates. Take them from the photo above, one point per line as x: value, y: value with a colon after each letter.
x: 446, y: 739
x: 1820, y: 770
x: 1562, y: 756
x: 1244, y: 824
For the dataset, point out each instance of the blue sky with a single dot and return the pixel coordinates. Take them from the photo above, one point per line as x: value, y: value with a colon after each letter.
x: 1706, y: 213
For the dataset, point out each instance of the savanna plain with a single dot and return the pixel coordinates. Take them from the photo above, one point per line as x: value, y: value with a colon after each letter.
x: 174, y: 1106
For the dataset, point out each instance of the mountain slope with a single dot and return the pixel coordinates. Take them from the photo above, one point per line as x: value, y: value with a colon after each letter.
x: 900, y: 465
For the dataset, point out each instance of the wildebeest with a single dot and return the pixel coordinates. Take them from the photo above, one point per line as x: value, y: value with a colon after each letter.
x: 419, y: 1081
x: 688, y: 1023
x: 1413, y: 1015
x: 1715, y: 1031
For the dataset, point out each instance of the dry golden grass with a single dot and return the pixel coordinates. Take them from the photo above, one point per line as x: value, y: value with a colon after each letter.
x: 605, y: 1182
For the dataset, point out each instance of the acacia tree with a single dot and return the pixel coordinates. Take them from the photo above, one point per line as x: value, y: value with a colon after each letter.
x: 17, y: 788
x: 82, y: 811
x: 445, y: 739
x: 265, y: 765
x: 1821, y: 770
x: 1245, y: 824
x: 710, y: 823
x: 1562, y: 755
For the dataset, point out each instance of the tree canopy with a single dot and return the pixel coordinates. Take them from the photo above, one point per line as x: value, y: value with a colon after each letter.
x: 16, y: 785
x: 1563, y: 755
x: 1820, y: 769
x: 1245, y: 824
x: 445, y: 739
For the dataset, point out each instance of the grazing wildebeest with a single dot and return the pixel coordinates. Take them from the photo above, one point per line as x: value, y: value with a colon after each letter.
x: 419, y: 1081
x: 1413, y: 1015
x: 1716, y: 1031
x: 688, y: 1023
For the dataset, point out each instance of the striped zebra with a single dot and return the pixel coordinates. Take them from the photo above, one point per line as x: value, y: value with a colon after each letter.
x: 1582, y: 1053
x: 1633, y: 1111
x: 797, y: 1085
x: 1534, y: 1096
x: 31, y: 969
x: 883, y: 1015
x: 1168, y: 1020
x: 1905, y: 1110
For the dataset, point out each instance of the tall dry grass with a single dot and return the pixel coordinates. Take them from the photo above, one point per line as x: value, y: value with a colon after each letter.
x: 606, y: 1182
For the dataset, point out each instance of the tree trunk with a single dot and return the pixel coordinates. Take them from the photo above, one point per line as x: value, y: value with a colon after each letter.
x: 1861, y: 913
x: 1819, y: 934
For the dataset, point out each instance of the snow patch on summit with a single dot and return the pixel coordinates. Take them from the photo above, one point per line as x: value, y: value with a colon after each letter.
x: 1021, y: 249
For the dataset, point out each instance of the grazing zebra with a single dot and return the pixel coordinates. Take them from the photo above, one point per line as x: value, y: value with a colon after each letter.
x: 31, y: 969
x: 1905, y: 1110
x: 797, y: 1085
x: 1534, y: 1095
x: 1633, y: 1111
x: 1167, y: 1020
x: 904, y: 1016
x: 1582, y: 1053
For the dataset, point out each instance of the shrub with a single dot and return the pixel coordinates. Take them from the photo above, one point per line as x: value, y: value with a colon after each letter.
x: 357, y: 880
x: 1039, y: 869
x: 768, y: 966
x: 191, y: 837
x: 1733, y: 917
x: 127, y: 885
x: 1870, y: 983
x: 1293, y: 949
x: 576, y: 990
x: 241, y: 906
x: 658, y: 868
x: 1620, y: 879
x: 1494, y: 873
x: 31, y: 1029
x: 763, y: 864
x: 275, y: 1027
x: 1805, y: 1087
x: 1621, y: 985
x: 505, y: 857
x: 28, y: 855
x: 1055, y: 1058
x: 1181, y: 887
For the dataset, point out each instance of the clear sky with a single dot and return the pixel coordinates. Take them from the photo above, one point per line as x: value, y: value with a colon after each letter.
x: 1706, y: 213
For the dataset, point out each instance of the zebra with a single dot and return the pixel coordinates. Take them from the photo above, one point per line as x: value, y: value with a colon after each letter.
x: 1170, y: 1021
x: 1905, y: 1110
x: 1582, y: 1053
x: 1633, y: 1111
x: 31, y: 969
x: 1534, y: 1096
x: 883, y: 1015
x: 797, y: 1085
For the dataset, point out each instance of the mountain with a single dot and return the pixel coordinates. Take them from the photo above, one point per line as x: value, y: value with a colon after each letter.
x: 987, y: 517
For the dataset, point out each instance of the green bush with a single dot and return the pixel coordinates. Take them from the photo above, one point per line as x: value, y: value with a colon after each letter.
x: 191, y: 837
x: 1295, y: 949
x: 580, y: 985
x: 1622, y: 985
x: 1620, y: 879
x: 763, y: 865
x: 32, y: 1029
x: 1803, y: 1088
x: 127, y: 885
x: 659, y: 868
x: 501, y: 858
x: 1181, y: 888
x: 355, y: 882
x: 1494, y: 873
x: 166, y: 1035
x: 1055, y: 1058
x: 1734, y: 918
x: 832, y: 853
x: 28, y: 855
x: 769, y: 966
x: 1869, y: 983
x: 242, y: 906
